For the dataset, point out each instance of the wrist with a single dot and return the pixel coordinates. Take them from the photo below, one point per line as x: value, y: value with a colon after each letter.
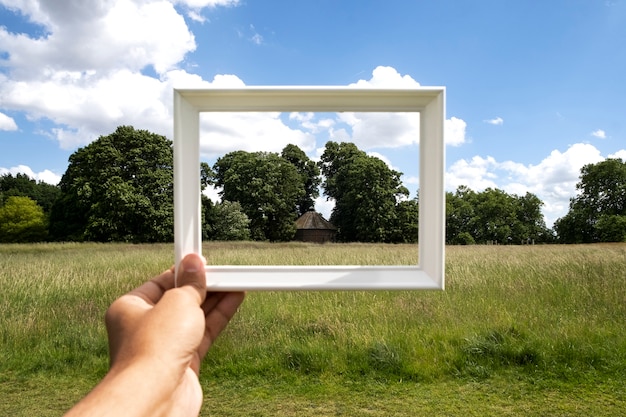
x: 141, y: 388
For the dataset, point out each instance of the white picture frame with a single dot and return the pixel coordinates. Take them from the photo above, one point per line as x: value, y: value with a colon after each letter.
x: 428, y: 273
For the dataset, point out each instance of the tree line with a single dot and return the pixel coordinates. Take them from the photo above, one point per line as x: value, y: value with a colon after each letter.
x: 120, y: 188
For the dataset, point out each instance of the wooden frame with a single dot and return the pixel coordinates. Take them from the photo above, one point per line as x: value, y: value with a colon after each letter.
x: 428, y: 273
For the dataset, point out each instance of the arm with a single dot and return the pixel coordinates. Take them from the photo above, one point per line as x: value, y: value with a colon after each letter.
x: 158, y: 335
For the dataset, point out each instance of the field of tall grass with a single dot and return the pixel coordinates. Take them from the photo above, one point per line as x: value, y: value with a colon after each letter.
x: 533, y: 330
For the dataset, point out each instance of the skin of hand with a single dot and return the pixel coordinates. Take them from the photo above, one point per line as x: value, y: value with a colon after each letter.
x: 158, y: 336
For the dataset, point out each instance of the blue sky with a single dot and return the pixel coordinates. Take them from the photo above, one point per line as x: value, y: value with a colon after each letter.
x: 535, y: 89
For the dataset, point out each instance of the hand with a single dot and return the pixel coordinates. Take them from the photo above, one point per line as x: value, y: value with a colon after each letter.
x: 158, y: 336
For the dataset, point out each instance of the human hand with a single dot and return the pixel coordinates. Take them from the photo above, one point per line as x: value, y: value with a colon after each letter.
x: 158, y: 336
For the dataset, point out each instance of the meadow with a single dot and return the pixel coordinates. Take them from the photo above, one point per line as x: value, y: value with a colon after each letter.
x: 519, y: 330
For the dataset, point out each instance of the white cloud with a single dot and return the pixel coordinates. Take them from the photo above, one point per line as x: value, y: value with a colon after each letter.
x: 553, y: 180
x: 199, y: 4
x: 390, y: 130
x: 196, y: 17
x: 387, y: 77
x: 600, y: 134
x: 104, y: 36
x: 250, y: 131
x: 324, y: 206
x: 621, y: 154
x: 45, y: 175
x: 454, y: 131
x: 497, y: 121
x: 257, y: 39
x: 85, y: 74
x: 7, y: 123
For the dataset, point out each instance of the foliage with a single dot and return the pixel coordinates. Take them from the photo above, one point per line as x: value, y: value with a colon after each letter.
x: 406, y: 227
x: 22, y: 220
x: 22, y: 185
x: 310, y: 174
x: 225, y: 221
x: 366, y: 193
x: 493, y: 216
x: 268, y: 188
x: 118, y: 188
x: 597, y: 213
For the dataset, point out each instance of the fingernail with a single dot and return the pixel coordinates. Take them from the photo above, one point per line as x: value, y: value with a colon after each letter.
x: 190, y: 264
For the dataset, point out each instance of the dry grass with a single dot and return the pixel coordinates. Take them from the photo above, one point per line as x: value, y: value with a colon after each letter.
x: 533, y: 330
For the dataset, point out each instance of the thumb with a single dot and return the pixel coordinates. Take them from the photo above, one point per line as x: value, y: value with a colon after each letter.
x: 192, y: 275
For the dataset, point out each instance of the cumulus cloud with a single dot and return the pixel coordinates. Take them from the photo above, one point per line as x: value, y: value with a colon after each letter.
x: 45, y: 175
x: 85, y: 74
x: 497, y: 121
x: 7, y: 123
x: 389, y: 130
x: 250, y: 131
x: 621, y: 154
x: 199, y: 4
x: 102, y: 36
x: 454, y: 131
x: 553, y: 180
x: 600, y: 134
x: 387, y: 77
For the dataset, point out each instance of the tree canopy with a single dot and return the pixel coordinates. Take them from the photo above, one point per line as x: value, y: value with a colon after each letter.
x: 22, y: 220
x: 118, y: 188
x: 598, y: 212
x: 494, y: 216
x: 310, y: 176
x: 22, y: 185
x: 267, y: 186
x: 366, y: 192
x: 224, y: 221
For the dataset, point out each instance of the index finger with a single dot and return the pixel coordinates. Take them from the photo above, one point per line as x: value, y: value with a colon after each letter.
x: 152, y: 291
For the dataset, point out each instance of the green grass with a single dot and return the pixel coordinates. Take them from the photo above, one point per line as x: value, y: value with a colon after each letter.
x: 532, y: 330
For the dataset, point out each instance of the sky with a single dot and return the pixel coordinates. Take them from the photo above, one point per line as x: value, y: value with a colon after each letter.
x: 534, y: 89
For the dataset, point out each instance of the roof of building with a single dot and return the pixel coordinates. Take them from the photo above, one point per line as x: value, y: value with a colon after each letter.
x: 315, y: 221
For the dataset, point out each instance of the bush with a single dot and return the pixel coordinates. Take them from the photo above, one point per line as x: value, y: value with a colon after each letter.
x: 22, y: 220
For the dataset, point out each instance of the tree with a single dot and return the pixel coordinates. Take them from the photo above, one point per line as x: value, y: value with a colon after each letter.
x: 366, y: 193
x: 310, y: 173
x: 268, y: 188
x: 22, y: 185
x: 493, y: 216
x: 118, y: 188
x: 226, y: 221
x: 460, y: 216
x: 595, y: 214
x: 22, y: 220
x: 406, y: 228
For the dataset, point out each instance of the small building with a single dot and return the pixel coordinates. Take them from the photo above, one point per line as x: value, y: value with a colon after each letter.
x: 312, y: 227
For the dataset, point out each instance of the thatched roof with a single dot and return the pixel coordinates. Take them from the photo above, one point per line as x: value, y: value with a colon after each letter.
x: 313, y: 221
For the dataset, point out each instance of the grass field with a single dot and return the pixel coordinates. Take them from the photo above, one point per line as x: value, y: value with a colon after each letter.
x: 520, y: 330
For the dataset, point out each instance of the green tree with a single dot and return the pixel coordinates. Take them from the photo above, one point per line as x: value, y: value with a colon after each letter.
x: 406, y: 228
x: 226, y: 221
x: 494, y: 216
x: 22, y: 185
x: 310, y: 173
x: 22, y: 220
x: 366, y: 193
x: 595, y: 214
x: 118, y: 188
x: 460, y: 216
x: 268, y: 188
